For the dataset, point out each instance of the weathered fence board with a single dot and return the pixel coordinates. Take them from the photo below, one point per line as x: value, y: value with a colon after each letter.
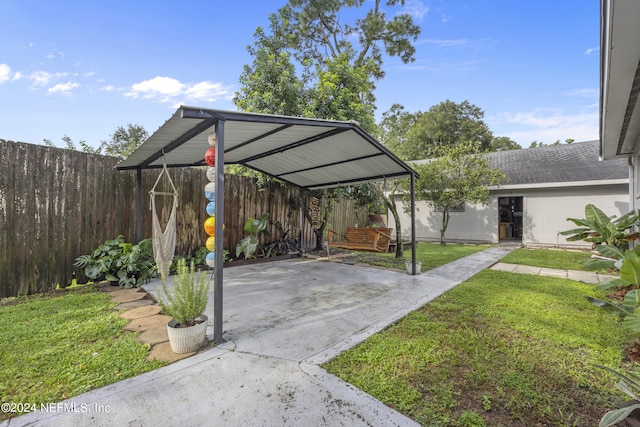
x: 57, y: 204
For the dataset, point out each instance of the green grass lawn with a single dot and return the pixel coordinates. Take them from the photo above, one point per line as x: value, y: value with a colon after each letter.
x: 432, y: 255
x: 550, y: 258
x: 55, y: 346
x: 500, y: 349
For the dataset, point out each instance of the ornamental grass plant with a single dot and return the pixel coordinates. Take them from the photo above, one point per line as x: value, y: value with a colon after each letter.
x: 188, y: 299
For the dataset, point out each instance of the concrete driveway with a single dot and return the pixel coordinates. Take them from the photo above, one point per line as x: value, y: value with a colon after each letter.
x: 282, y: 320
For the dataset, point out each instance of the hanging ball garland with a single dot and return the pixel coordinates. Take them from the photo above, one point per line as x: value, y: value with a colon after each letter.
x: 210, y: 194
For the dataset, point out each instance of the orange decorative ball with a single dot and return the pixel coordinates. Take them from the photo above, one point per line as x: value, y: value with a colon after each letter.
x: 210, y: 226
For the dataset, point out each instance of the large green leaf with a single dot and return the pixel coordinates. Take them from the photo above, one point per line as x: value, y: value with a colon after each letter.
x: 630, y: 270
x: 612, y: 283
x: 627, y: 220
x: 632, y: 323
x: 610, y: 251
x: 582, y: 230
x: 618, y: 415
x: 595, y: 215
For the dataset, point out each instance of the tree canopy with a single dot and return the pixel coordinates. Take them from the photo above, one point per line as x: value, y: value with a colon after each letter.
x: 443, y: 125
x: 125, y: 140
x: 503, y: 143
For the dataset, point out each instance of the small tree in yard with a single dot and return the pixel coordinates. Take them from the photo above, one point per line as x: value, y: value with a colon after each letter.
x: 458, y: 174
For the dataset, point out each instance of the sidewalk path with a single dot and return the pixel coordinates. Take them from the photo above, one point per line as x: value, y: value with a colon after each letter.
x: 283, y: 320
x: 578, y: 276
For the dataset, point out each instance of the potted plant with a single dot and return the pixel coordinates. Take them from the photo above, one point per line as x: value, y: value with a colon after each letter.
x: 187, y: 329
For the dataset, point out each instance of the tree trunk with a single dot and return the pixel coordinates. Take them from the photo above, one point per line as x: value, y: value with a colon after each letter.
x: 390, y: 201
x: 391, y: 204
x: 445, y: 224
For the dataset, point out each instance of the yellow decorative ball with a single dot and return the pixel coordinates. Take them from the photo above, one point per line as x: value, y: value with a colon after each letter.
x: 211, y: 243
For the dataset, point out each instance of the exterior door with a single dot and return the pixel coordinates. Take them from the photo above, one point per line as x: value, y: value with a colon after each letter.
x: 510, y: 218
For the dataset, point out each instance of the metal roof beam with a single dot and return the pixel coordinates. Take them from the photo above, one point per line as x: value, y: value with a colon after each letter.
x: 259, y: 137
x: 355, y: 159
x: 359, y: 180
x: 293, y: 145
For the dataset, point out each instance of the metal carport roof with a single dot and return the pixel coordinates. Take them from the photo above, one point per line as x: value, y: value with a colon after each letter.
x: 309, y: 153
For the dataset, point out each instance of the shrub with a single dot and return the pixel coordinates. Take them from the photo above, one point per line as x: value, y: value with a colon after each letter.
x: 117, y: 261
x: 189, y: 297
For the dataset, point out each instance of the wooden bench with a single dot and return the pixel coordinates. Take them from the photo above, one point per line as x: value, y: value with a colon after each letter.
x: 362, y: 239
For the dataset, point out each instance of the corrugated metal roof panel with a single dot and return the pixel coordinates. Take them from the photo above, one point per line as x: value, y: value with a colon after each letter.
x: 310, y: 153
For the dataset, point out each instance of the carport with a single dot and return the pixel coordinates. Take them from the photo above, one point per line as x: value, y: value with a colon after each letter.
x: 309, y: 153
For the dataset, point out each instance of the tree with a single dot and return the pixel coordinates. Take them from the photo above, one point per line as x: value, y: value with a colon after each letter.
x: 458, y: 174
x: 535, y: 144
x: 70, y: 145
x: 315, y: 32
x: 503, y: 143
x: 445, y: 125
x: 392, y: 131
x: 124, y: 141
x: 309, y: 64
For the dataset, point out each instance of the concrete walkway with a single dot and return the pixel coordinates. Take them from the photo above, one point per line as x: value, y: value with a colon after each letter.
x: 578, y: 276
x: 282, y: 322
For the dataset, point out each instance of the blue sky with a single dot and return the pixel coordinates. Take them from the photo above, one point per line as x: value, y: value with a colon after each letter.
x: 83, y: 68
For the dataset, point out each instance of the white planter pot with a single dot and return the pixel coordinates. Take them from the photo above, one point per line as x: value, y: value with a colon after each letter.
x: 409, y: 266
x: 186, y: 340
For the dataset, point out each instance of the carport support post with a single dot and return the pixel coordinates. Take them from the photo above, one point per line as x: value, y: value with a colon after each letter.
x: 301, y: 236
x: 413, y: 225
x: 219, y: 236
x: 138, y: 205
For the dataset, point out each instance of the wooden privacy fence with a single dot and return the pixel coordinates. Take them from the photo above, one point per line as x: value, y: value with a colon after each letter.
x: 57, y: 204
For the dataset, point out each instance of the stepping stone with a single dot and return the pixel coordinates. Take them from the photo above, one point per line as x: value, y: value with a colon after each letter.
x: 145, y: 311
x: 153, y: 336
x: 132, y: 304
x: 127, y: 295
x: 145, y: 323
x: 163, y: 352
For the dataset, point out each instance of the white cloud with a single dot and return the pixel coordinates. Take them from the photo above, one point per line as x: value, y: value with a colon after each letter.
x: 591, y: 50
x: 63, y: 88
x: 585, y: 93
x: 108, y: 88
x: 547, y: 125
x: 17, y: 76
x: 167, y: 89
x: 43, y: 78
x: 416, y: 9
x: 5, y: 73
x: 162, y: 88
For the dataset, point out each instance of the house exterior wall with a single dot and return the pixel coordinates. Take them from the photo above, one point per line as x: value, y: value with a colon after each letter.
x: 545, y: 213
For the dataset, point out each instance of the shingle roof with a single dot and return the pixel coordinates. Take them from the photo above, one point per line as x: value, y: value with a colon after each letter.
x: 558, y: 163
